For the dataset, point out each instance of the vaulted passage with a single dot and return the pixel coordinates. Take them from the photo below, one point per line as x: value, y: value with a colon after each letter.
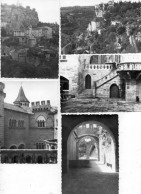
x: 88, y: 82
x: 90, y: 154
x: 114, y: 91
x: 91, y: 143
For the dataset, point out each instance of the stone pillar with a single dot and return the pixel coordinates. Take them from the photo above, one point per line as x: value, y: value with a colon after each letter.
x: 2, y: 96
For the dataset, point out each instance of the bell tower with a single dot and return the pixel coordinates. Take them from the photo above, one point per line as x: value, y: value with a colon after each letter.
x: 2, y: 96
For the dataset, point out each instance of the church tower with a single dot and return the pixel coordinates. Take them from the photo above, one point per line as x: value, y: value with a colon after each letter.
x: 21, y: 100
x: 2, y: 96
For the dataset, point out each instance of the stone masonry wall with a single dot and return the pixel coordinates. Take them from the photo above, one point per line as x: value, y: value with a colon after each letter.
x: 104, y: 90
x: 15, y: 136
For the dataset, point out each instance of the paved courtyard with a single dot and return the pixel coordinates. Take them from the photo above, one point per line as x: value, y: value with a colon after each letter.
x: 99, y: 105
x: 89, y: 181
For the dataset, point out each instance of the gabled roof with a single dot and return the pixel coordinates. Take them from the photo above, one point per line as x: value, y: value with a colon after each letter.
x: 21, y: 96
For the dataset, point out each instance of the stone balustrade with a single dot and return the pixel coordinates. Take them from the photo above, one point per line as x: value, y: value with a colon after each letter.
x: 129, y: 67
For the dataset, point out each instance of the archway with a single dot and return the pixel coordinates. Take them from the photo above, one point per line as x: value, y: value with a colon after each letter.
x: 88, y: 82
x: 39, y: 159
x: 15, y: 159
x: 89, y: 143
x: 28, y: 159
x: 64, y: 83
x: 21, y: 146
x: 13, y: 147
x: 87, y: 148
x: 114, y: 91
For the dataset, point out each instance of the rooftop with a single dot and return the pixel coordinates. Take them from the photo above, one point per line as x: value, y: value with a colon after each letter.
x: 17, y: 108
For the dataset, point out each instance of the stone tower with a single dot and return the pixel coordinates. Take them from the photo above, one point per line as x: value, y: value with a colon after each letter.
x: 21, y: 100
x: 2, y: 96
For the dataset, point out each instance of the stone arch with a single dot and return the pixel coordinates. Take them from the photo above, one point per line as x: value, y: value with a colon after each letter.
x: 103, y: 156
x: 15, y: 159
x: 114, y: 91
x: 88, y: 82
x: 13, y: 147
x: 39, y: 159
x: 28, y: 159
x: 41, y: 121
x: 86, y: 146
x: 21, y: 146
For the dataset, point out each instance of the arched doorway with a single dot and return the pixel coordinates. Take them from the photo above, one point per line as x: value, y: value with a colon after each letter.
x: 91, y: 143
x: 88, y: 82
x: 64, y: 83
x: 28, y: 159
x: 39, y: 159
x: 114, y: 91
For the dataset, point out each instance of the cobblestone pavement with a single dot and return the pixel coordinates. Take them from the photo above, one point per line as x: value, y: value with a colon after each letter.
x: 88, y: 181
x: 99, y: 105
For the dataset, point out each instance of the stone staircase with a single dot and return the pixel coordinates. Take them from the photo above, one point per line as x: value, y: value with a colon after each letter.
x: 106, y: 79
x: 87, y: 93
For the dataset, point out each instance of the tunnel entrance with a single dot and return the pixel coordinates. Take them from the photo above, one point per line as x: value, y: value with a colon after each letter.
x: 91, y: 144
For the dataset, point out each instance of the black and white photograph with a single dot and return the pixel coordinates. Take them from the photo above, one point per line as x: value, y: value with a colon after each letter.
x: 28, y: 128
x: 100, y: 83
x: 70, y: 97
x: 105, y: 26
x: 90, y: 156
x: 29, y: 38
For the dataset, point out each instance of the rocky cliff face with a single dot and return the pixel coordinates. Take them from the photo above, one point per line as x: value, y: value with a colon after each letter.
x: 18, y: 17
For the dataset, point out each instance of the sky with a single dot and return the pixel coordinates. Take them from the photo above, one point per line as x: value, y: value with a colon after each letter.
x: 67, y: 3
x: 48, y: 10
x: 37, y: 90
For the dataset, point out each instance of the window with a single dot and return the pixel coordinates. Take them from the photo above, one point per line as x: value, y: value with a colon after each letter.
x: 40, y: 145
x: 21, y: 123
x: 12, y: 123
x: 41, y: 122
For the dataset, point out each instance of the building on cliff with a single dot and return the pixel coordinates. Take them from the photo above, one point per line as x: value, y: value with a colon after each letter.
x: 29, y: 132
x: 102, y: 76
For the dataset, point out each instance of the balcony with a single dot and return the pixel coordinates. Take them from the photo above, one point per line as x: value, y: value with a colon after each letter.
x: 129, y: 66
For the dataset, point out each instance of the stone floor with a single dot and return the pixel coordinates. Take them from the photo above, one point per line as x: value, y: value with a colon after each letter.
x: 99, y: 105
x: 89, y: 181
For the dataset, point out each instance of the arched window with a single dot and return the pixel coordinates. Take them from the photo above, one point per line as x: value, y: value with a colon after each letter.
x: 13, y: 147
x: 41, y: 122
x: 21, y: 146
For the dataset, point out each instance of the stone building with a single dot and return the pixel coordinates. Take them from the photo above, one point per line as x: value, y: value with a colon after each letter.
x: 24, y: 127
x: 110, y: 76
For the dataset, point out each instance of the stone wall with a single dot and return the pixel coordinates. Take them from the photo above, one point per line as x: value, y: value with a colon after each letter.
x: 133, y: 89
x: 16, y: 135
x: 104, y: 90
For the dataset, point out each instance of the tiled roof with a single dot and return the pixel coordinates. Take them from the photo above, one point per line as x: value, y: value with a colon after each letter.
x: 16, y: 108
x: 21, y: 96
